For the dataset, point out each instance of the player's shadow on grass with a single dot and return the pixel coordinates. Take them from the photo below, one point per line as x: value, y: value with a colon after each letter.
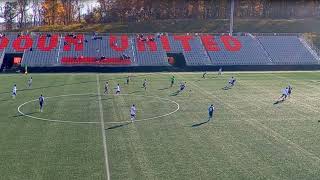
x: 200, y: 124
x: 161, y: 89
x: 278, y: 102
x: 175, y: 93
x: 227, y: 88
x: 118, y: 126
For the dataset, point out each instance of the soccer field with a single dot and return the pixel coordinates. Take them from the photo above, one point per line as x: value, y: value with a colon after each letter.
x: 86, y: 135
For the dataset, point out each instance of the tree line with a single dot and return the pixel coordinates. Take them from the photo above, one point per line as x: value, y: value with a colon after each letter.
x: 65, y: 12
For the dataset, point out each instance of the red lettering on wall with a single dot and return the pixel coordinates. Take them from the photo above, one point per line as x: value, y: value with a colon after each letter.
x: 4, y: 42
x: 148, y: 41
x: 165, y: 43
x: 27, y: 43
x: 184, y: 41
x: 209, y: 43
x: 231, y: 43
x: 52, y: 43
x: 77, y: 41
x: 124, y: 43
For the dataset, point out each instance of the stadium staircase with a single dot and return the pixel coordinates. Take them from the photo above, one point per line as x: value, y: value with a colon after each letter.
x: 309, y: 48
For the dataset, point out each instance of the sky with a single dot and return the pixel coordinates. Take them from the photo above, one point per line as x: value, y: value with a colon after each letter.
x: 87, y: 4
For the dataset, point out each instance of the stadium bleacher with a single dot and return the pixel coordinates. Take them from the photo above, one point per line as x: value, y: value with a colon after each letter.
x: 41, y: 50
x: 287, y: 50
x: 43, y: 53
x: 250, y: 53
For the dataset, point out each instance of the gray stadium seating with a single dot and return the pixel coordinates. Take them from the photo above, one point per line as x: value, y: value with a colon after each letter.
x: 197, y: 56
x: 147, y: 58
x: 255, y: 50
x: 287, y: 50
x: 250, y: 53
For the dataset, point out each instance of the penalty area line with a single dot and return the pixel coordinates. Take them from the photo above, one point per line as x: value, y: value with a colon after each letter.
x: 104, y: 138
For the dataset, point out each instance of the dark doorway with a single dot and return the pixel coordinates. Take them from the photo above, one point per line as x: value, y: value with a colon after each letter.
x: 176, y: 59
x: 11, y: 61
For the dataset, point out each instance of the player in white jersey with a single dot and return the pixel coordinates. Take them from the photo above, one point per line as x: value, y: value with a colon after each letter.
x: 220, y: 71
x: 284, y: 94
x: 133, y: 111
x: 30, y: 82
x: 14, y: 91
x: 118, y: 89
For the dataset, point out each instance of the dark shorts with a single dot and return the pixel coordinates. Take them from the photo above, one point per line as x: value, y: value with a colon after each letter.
x: 210, y: 115
x: 41, y: 104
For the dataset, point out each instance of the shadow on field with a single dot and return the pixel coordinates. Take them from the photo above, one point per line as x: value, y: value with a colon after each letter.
x: 227, y: 88
x: 163, y: 88
x: 175, y: 93
x: 200, y: 124
x: 278, y: 102
x: 118, y: 126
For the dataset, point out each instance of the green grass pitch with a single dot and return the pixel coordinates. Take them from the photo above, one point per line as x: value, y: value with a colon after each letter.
x: 249, y: 138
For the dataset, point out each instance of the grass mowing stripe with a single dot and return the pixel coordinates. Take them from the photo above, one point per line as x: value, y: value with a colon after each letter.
x: 104, y: 138
x: 269, y: 131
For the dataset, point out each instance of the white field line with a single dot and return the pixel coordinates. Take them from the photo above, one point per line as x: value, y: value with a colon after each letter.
x: 88, y: 122
x: 103, y: 133
x: 269, y: 131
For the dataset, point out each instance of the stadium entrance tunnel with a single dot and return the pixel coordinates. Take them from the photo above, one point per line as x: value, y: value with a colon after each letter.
x: 11, y: 61
x: 176, y: 59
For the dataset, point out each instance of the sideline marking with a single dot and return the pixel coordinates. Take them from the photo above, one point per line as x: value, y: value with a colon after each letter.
x: 115, y: 122
x: 104, y: 138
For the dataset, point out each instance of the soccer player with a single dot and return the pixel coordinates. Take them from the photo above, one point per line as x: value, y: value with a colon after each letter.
x: 133, y: 113
x: 232, y: 81
x: 284, y: 94
x: 211, y: 111
x: 30, y: 82
x: 289, y: 90
x: 128, y: 79
x: 118, y: 89
x: 172, y: 81
x: 183, y: 86
x: 220, y: 71
x: 106, y: 88
x: 14, y: 91
x: 145, y: 84
x: 41, y: 102
x: 204, y: 75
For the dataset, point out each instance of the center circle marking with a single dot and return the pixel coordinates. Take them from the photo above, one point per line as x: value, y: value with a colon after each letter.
x: 114, y: 122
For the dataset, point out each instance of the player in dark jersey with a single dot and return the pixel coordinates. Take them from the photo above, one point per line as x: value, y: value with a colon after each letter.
x: 128, y: 80
x: 172, y: 81
x: 211, y: 111
x: 204, y: 75
x: 145, y: 84
x: 183, y: 86
x: 41, y: 102
x: 289, y: 90
x: 106, y: 88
